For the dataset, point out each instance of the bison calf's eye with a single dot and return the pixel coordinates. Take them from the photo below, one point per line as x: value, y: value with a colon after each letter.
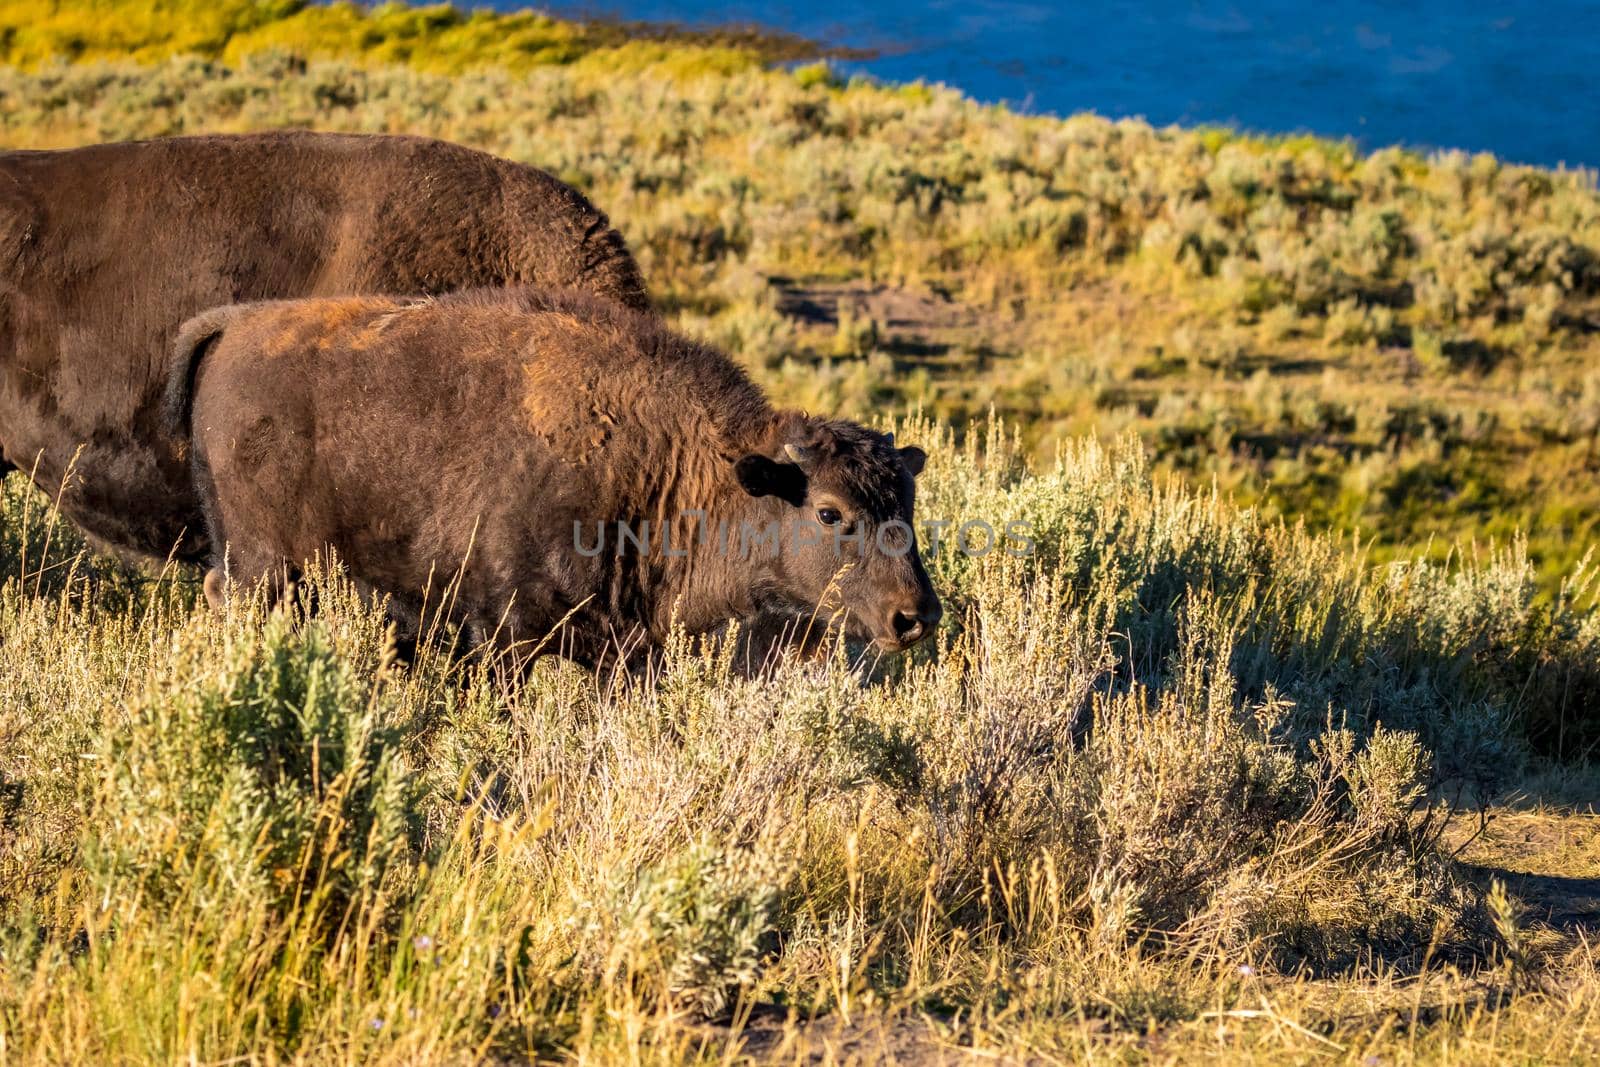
x: 829, y: 516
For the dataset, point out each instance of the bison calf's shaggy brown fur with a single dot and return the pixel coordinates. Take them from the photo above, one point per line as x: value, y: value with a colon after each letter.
x: 587, y: 478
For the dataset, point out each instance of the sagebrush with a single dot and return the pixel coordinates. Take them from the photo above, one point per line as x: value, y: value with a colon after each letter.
x: 1177, y: 750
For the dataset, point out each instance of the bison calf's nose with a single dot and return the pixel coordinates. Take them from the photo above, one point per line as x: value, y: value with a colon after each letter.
x: 912, y: 626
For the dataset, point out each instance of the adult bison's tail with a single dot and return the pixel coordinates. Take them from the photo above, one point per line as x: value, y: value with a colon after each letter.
x: 195, y: 339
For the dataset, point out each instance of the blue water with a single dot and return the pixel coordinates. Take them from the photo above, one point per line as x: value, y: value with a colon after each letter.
x: 1521, y: 80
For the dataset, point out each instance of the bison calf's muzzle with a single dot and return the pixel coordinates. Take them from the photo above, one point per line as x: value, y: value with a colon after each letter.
x: 911, y: 626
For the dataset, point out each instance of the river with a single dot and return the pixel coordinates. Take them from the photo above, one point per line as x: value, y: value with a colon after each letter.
x: 1519, y: 80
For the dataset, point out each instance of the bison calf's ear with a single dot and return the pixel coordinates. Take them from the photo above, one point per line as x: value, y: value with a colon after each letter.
x: 914, y: 458
x: 761, y: 476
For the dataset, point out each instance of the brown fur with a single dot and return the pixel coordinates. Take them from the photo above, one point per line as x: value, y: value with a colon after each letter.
x: 421, y: 438
x: 105, y: 250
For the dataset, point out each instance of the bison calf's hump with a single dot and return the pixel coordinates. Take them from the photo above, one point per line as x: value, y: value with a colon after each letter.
x: 106, y: 249
x: 547, y: 457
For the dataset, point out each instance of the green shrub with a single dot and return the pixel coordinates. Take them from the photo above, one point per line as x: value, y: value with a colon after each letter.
x: 1174, y: 737
x: 274, y: 774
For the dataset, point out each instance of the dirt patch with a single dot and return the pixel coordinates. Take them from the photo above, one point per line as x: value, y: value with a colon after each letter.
x: 915, y: 327
x: 868, y: 1039
x: 1549, y: 860
x: 903, y: 311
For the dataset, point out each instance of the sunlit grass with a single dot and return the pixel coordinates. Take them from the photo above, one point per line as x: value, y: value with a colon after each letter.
x: 1384, y: 343
x: 439, y: 37
x: 1179, y: 772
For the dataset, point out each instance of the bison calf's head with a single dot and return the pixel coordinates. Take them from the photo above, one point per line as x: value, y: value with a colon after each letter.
x: 836, y: 534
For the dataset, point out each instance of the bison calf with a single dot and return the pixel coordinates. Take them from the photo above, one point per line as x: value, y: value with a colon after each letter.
x: 570, y: 462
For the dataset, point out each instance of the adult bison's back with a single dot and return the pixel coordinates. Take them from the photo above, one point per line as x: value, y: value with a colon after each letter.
x: 106, y: 250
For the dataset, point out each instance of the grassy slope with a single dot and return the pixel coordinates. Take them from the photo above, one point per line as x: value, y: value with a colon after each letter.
x: 1401, y: 346
x: 1387, y: 343
x: 438, y: 38
x: 222, y: 838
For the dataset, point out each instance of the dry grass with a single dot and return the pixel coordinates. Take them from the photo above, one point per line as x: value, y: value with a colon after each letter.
x: 1170, y: 788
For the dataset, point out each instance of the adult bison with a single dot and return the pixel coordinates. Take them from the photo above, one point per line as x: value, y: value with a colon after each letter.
x: 565, y: 459
x: 105, y: 250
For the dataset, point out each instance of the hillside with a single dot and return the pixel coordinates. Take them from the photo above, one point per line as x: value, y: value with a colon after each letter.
x: 1390, y: 345
x: 1205, y: 778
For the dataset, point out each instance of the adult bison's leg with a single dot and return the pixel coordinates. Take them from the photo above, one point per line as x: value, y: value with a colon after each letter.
x: 403, y: 613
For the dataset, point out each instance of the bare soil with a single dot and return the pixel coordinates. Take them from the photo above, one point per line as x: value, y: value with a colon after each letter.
x: 1548, y: 860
